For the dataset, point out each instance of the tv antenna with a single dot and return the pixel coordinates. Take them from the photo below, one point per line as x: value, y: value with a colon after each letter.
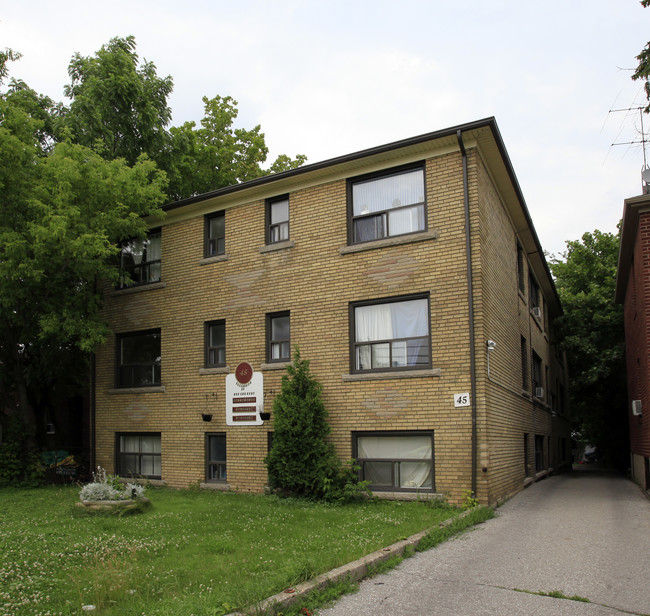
x: 645, y: 171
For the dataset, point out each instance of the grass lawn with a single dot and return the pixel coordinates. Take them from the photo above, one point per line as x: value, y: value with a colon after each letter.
x: 195, y: 552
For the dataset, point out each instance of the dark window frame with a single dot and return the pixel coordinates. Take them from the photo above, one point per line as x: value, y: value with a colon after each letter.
x: 221, y: 466
x: 120, y: 456
x: 284, y: 224
x: 140, y: 274
x: 539, y: 453
x: 270, y: 341
x: 122, y: 383
x: 521, y: 269
x: 396, y: 461
x: 375, y: 302
x: 214, y: 246
x: 537, y: 372
x: 524, y: 364
x: 209, y: 349
x: 370, y: 177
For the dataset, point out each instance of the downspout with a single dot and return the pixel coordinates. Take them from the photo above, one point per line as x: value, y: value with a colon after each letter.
x: 470, y: 306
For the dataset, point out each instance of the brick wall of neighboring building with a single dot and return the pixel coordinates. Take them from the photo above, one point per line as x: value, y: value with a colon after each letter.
x: 316, y: 278
x: 633, y: 290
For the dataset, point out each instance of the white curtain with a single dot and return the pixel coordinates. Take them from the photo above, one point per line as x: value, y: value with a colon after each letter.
x: 388, y: 192
x: 413, y: 474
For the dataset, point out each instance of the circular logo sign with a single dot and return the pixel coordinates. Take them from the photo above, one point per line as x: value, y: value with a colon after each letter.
x: 244, y: 373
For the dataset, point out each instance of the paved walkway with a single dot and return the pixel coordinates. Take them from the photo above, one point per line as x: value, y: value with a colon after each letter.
x: 582, y: 533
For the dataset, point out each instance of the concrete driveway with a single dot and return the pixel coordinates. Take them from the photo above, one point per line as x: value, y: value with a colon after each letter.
x: 582, y: 533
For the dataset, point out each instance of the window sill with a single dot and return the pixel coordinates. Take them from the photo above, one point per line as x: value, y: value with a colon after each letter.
x: 215, y: 259
x: 280, y: 365
x: 219, y: 370
x: 277, y: 246
x: 158, y: 389
x: 209, y: 485
x: 410, y: 495
x: 397, y: 374
x: 390, y: 241
x: 139, y: 289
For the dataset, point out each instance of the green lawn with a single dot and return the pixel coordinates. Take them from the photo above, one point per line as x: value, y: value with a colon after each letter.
x: 195, y: 552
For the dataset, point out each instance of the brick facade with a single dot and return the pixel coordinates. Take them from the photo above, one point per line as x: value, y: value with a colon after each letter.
x: 316, y: 276
x: 633, y: 291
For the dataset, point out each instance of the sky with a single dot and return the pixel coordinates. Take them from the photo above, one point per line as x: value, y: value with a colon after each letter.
x: 333, y: 77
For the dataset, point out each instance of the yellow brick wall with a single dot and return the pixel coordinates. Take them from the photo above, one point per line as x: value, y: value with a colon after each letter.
x: 316, y: 283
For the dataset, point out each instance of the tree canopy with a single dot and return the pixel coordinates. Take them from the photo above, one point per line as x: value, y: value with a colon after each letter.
x: 591, y: 332
x: 78, y: 180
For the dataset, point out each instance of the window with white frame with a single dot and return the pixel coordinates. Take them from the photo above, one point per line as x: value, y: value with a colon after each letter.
x: 391, y: 334
x: 396, y: 461
x: 140, y: 260
x: 387, y: 205
x: 138, y: 455
x: 277, y: 220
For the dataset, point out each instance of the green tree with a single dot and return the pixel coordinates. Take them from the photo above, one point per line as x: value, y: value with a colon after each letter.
x: 118, y: 107
x: 643, y: 68
x: 591, y: 332
x: 301, y: 461
x: 63, y: 212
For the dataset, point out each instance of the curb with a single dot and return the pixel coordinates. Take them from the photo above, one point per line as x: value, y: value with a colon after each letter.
x: 356, y: 570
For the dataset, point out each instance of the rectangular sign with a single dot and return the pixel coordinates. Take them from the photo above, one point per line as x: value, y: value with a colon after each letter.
x: 244, y: 401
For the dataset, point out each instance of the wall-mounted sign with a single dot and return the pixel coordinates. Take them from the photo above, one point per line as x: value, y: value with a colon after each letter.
x: 461, y: 399
x: 244, y: 396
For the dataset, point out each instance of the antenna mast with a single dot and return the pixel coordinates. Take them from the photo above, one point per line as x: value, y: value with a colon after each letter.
x: 645, y: 171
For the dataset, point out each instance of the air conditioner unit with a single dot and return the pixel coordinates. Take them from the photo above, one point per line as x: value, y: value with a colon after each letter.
x: 537, y: 312
x: 539, y: 392
x: 636, y: 407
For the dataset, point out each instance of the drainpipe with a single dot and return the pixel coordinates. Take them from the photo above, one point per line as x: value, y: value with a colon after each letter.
x: 470, y: 305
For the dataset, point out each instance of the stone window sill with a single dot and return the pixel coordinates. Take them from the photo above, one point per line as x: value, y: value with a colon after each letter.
x: 139, y: 289
x: 215, y: 259
x: 397, y: 374
x: 390, y: 241
x: 219, y: 370
x: 281, y: 365
x: 160, y: 389
x: 277, y: 246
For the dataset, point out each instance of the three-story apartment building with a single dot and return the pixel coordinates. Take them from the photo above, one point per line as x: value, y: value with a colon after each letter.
x: 410, y: 275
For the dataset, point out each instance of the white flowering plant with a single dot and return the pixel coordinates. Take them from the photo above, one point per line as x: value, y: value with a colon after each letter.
x: 105, y: 487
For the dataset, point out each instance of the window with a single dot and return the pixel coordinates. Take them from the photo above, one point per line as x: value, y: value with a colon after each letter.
x: 387, y: 205
x: 138, y: 455
x: 140, y: 261
x: 277, y: 216
x: 278, y: 337
x: 215, y: 234
x: 392, y: 334
x: 538, y: 383
x: 526, y: 463
x: 215, y: 344
x: 215, y: 457
x: 138, y: 359
x: 535, y: 297
x: 539, y: 453
x: 395, y: 461
x: 520, y: 268
x: 524, y: 364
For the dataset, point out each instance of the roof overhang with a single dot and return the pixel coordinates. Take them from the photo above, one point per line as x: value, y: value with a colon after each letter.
x: 481, y: 134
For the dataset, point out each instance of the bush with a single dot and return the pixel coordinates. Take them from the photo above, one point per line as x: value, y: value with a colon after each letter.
x: 301, y: 462
x: 105, y: 487
x: 20, y: 463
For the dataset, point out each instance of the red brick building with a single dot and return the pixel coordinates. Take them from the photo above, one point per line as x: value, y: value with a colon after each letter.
x: 633, y: 291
